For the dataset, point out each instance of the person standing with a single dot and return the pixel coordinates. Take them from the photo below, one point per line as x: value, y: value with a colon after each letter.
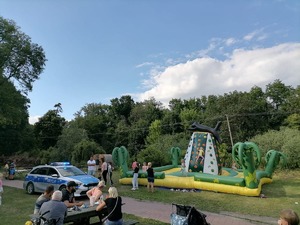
x: 109, y: 173
x: 45, y: 197
x: 182, y: 170
x: 1, y: 188
x: 144, y: 167
x: 150, y: 177
x: 97, y: 166
x: 104, y: 169
x: 133, y: 165
x: 12, y: 170
x: 54, y: 209
x: 91, y: 166
x: 6, y: 170
x: 135, y: 183
x: 114, y: 207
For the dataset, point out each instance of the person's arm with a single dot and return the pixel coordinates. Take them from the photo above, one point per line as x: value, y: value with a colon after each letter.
x: 72, y: 204
x: 101, y: 206
x: 91, y: 163
x: 90, y: 193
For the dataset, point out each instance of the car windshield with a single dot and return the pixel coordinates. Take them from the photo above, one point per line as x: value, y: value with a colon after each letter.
x: 68, y: 171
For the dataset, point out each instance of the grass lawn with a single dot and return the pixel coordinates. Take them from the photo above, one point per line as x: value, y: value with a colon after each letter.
x: 283, y: 193
x: 17, y: 206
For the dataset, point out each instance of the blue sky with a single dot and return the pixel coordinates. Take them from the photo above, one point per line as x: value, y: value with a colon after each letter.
x: 98, y: 50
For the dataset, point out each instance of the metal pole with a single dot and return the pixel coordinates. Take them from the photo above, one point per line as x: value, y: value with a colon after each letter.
x: 229, y: 130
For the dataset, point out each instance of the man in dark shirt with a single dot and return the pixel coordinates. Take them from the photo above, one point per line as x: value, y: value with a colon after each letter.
x: 68, y: 195
x: 69, y: 199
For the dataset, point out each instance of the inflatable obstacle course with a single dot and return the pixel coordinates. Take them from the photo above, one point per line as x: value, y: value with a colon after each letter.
x: 203, y: 170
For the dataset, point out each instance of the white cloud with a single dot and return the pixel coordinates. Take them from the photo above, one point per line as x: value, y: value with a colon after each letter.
x: 230, y: 41
x: 257, y: 34
x: 240, y: 71
x: 144, y: 64
x: 33, y: 119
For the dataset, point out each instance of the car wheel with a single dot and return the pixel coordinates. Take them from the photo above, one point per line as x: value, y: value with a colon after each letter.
x: 30, y: 188
x: 62, y: 188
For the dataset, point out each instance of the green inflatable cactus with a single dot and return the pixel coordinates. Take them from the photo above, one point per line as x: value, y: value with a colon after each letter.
x: 120, y: 158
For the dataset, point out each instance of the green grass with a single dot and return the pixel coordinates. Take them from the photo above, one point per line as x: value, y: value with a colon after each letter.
x: 281, y: 194
x: 17, y: 206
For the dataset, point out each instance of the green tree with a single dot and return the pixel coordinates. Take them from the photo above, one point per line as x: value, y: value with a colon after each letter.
x: 188, y: 116
x: 141, y: 117
x: 158, y: 152
x: 95, y: 119
x: 84, y: 150
x: 49, y: 128
x: 278, y: 94
x: 13, y: 119
x: 121, y: 108
x: 155, y: 130
x: 293, y: 121
x: 20, y: 59
x: 71, y: 135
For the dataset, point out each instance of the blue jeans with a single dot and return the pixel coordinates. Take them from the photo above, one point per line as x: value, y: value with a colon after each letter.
x: 91, y: 172
x: 118, y: 222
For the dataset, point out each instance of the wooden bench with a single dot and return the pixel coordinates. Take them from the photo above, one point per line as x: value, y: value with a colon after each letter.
x: 130, y: 222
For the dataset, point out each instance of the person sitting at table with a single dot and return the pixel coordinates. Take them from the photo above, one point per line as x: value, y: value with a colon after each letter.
x: 114, y: 207
x: 54, y: 210
x: 45, y: 197
x: 68, y: 195
x: 95, y: 194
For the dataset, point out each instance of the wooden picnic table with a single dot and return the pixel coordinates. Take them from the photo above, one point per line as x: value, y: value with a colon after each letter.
x: 84, y: 214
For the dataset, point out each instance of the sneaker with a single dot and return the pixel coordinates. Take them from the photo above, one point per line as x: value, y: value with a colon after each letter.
x: 133, y: 189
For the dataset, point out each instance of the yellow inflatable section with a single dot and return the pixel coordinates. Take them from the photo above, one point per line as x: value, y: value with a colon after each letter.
x: 188, y: 182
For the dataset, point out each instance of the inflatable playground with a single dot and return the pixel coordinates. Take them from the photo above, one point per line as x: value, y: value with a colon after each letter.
x: 202, y: 169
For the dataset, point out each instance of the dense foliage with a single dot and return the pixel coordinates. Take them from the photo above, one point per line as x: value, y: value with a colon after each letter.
x: 21, y: 63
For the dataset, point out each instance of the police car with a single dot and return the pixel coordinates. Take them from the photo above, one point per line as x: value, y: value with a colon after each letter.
x: 58, y: 174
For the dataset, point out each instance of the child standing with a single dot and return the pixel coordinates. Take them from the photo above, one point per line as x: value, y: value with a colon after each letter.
x: 183, y: 167
x: 1, y: 188
x: 109, y: 173
x: 144, y: 167
x: 150, y: 173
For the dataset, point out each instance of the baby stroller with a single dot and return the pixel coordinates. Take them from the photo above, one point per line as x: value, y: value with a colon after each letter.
x: 187, y: 215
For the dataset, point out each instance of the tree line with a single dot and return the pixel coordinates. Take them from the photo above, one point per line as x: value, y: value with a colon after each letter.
x: 147, y: 129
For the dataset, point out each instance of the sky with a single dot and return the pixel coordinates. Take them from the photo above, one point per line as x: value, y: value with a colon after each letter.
x: 98, y: 50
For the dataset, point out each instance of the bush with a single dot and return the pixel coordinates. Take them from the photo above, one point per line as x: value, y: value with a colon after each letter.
x: 292, y: 149
x: 159, y: 152
x: 285, y: 140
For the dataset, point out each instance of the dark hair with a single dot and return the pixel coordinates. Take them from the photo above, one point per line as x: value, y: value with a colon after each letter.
x: 49, y: 189
x: 71, y: 184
